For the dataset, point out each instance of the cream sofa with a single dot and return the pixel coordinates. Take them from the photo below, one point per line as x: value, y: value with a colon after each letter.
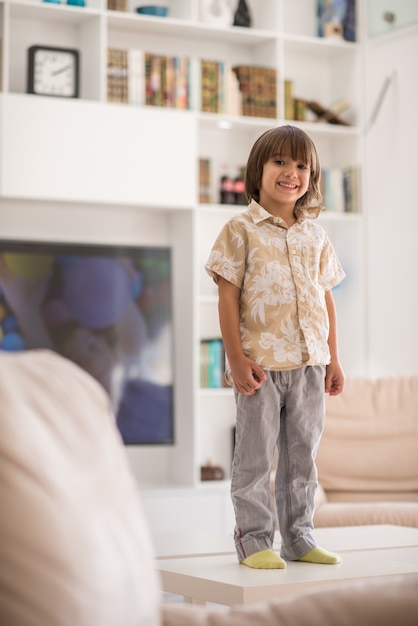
x: 368, y: 456
x: 74, y: 547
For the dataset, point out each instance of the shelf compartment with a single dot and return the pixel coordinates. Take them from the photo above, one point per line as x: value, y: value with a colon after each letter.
x: 326, y: 73
x: 60, y: 26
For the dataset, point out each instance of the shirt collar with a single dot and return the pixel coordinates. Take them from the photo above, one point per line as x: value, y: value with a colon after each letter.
x: 259, y: 214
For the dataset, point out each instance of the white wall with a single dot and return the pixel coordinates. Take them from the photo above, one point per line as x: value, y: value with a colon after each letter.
x: 392, y: 208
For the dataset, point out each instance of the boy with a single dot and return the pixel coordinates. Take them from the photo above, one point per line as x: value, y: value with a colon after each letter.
x: 275, y: 268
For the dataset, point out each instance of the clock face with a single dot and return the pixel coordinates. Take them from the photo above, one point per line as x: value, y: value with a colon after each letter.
x: 53, y: 71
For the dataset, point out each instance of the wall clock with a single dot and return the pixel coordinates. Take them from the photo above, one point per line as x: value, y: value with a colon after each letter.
x: 53, y: 71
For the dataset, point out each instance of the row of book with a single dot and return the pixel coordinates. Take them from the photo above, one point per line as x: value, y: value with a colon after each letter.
x: 138, y: 77
x: 212, y: 363
x: 220, y: 92
x: 340, y: 189
x: 144, y: 78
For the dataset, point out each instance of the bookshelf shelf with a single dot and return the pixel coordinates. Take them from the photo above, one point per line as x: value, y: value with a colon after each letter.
x: 51, y: 12
x: 188, y: 28
x: 308, y: 42
x: 151, y: 189
x: 227, y: 122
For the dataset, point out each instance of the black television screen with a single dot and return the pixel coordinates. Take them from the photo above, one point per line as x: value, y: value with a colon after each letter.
x: 108, y: 309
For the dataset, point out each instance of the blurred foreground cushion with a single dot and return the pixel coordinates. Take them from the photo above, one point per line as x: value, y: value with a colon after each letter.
x: 74, y: 547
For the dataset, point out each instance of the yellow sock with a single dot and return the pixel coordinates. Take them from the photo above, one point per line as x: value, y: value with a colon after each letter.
x: 318, y: 555
x: 265, y: 559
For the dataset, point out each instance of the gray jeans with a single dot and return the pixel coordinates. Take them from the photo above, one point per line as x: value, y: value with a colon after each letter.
x: 288, y: 412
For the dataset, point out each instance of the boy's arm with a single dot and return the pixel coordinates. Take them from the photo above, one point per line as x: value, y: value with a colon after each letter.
x: 247, y: 375
x: 335, y: 377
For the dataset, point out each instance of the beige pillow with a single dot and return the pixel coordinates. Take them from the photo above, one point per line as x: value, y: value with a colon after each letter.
x: 370, y: 438
x: 74, y: 546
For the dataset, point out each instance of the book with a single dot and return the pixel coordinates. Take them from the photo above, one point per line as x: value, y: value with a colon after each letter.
x: 220, y: 89
x: 117, y: 5
x: 167, y: 81
x: 334, y: 190
x: 351, y: 184
x: 209, y: 86
x: 349, y: 22
x: 117, y: 75
x: 212, y: 363
x: 205, y: 196
x: 289, y: 103
x: 136, y: 77
x: 299, y: 109
x: 258, y: 86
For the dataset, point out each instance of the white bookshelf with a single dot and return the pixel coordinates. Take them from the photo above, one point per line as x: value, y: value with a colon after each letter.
x: 87, y: 170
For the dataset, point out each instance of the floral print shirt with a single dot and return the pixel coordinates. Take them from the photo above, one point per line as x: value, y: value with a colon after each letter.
x: 283, y: 273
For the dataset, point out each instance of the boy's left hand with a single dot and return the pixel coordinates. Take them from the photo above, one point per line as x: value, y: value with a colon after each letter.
x: 334, y: 379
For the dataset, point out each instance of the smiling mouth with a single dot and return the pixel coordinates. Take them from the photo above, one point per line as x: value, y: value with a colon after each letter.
x: 287, y: 185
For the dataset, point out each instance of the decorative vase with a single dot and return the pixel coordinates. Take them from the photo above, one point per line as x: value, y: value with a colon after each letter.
x: 216, y: 12
x: 242, y: 15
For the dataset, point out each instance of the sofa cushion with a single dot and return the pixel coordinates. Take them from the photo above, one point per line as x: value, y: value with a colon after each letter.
x: 74, y: 546
x: 370, y: 439
x: 381, y: 602
x: 364, y: 513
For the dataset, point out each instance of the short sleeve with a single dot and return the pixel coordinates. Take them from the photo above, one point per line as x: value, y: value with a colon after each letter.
x: 331, y: 271
x: 227, y: 258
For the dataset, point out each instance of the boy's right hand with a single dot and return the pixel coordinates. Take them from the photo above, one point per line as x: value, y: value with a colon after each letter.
x: 247, y: 375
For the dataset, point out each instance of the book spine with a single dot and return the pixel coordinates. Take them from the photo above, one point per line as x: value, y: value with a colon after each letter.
x: 136, y: 82
x: 212, y: 363
x: 209, y: 86
x: 204, y: 181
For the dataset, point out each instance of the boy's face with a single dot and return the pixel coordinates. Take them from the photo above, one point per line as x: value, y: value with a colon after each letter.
x: 283, y: 182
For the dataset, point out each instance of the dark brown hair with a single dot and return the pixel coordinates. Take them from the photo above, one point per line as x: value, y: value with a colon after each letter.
x: 285, y: 140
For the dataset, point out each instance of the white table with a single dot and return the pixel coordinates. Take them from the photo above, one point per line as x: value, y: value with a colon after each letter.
x: 367, y: 551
